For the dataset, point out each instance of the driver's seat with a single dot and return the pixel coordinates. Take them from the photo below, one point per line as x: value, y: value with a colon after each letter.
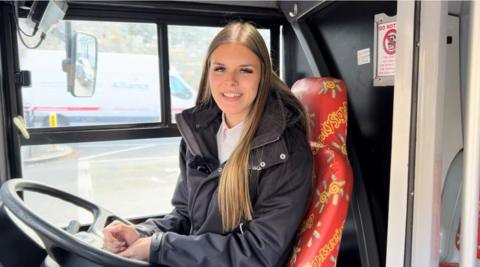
x: 318, y: 239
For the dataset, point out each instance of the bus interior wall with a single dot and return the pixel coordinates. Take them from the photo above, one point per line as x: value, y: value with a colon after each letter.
x: 340, y: 30
x: 296, y: 57
x: 461, y: 10
x: 464, y: 14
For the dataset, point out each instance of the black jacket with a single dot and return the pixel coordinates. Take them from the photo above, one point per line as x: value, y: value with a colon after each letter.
x: 281, y: 183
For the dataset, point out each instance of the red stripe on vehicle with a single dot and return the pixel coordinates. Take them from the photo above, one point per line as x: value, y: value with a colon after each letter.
x: 65, y: 108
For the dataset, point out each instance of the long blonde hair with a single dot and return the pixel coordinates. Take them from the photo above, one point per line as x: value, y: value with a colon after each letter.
x: 233, y: 193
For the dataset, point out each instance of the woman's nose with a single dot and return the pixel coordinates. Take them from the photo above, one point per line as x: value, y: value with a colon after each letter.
x: 231, y: 79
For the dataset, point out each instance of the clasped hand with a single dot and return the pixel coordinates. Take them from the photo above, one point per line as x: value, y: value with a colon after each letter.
x: 124, y: 240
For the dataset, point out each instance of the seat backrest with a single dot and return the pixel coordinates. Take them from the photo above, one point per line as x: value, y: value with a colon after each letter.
x: 318, y: 239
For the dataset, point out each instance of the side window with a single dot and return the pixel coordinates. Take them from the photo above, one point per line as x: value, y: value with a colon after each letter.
x: 131, y: 177
x: 180, y: 89
x: 127, y: 82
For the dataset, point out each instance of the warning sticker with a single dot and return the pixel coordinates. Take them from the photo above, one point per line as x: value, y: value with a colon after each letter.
x: 389, y: 41
x: 387, y: 44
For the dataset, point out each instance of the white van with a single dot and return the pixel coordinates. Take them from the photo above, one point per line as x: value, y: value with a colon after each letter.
x: 127, y: 91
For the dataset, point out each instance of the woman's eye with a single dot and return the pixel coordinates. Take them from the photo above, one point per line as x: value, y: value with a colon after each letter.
x: 248, y: 71
x: 218, y: 69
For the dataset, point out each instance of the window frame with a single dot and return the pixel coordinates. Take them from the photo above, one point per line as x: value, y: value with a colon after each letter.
x: 192, y: 14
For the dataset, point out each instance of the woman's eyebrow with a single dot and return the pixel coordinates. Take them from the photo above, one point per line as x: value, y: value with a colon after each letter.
x: 241, y: 66
x: 247, y: 65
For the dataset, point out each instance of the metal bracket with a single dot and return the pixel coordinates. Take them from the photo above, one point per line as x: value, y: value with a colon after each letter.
x: 23, y: 78
x: 296, y: 12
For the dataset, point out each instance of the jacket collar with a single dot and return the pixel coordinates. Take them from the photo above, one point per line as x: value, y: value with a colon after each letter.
x: 276, y: 117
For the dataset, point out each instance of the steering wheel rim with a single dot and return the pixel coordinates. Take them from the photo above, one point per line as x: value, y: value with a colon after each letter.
x: 55, y: 235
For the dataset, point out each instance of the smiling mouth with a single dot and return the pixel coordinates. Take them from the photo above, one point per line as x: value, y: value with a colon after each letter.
x: 231, y: 95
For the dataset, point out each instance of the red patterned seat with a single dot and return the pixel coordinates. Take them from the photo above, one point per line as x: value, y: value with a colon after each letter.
x: 318, y: 239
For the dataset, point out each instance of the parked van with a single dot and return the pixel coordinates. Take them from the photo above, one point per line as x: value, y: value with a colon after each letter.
x: 127, y: 91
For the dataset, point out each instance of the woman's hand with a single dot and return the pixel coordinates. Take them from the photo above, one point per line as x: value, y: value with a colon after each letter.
x: 140, y: 250
x: 118, y: 236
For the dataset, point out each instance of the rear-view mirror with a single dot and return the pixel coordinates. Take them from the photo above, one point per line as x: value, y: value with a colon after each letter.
x: 83, y: 70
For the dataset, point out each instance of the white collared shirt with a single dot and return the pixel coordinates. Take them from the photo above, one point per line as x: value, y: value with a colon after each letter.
x: 227, y: 139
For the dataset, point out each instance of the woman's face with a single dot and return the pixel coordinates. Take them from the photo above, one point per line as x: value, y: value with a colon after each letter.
x: 234, y: 76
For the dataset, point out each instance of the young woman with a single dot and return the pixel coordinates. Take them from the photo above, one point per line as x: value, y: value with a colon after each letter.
x: 245, y: 167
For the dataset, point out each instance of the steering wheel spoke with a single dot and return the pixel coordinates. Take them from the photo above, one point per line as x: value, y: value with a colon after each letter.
x: 101, y: 218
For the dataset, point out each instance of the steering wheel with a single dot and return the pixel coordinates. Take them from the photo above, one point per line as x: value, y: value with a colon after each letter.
x: 83, y: 248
